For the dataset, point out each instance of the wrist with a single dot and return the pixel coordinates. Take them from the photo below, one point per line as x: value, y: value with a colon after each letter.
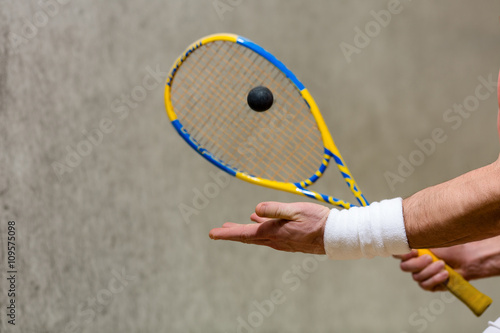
x: 366, y: 232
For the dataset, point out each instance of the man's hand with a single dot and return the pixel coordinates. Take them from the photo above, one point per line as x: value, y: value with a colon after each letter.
x: 292, y: 227
x: 430, y: 275
x: 474, y: 260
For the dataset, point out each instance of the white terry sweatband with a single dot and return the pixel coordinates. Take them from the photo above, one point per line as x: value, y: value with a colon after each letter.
x: 366, y: 232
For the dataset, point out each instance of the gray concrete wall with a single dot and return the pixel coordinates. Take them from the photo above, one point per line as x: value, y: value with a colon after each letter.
x: 101, y: 243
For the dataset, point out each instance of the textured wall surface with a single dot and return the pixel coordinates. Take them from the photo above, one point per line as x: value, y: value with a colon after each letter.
x: 93, y: 174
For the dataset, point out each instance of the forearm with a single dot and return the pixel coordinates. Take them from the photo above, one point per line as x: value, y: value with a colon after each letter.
x: 461, y: 210
x: 483, y: 258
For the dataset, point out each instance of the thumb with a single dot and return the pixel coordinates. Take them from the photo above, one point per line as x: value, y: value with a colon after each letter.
x: 276, y: 210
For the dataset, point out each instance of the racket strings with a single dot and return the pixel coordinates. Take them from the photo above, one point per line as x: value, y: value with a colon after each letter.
x: 257, y: 61
x: 224, y: 124
x: 301, y: 126
x: 275, y: 72
x: 268, y: 151
x: 233, y: 155
x: 233, y: 117
x: 209, y: 96
x: 205, y: 141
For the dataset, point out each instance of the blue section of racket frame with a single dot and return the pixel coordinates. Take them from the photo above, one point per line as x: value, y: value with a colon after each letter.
x: 260, y: 50
x: 202, y: 151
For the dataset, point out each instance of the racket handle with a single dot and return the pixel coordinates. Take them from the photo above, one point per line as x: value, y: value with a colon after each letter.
x: 463, y: 290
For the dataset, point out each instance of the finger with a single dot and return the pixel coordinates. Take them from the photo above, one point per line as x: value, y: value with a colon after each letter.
x: 407, y: 256
x: 247, y: 232
x: 277, y: 210
x: 416, y: 264
x: 435, y: 281
x: 256, y: 218
x: 429, y: 271
x: 440, y: 287
x: 230, y: 225
x: 234, y: 231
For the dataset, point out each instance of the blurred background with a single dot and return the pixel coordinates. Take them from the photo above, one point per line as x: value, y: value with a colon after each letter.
x: 112, y: 210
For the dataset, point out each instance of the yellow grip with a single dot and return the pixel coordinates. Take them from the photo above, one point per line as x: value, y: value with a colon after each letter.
x: 463, y: 290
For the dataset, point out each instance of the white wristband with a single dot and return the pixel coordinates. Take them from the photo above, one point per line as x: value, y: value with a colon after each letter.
x: 366, y: 232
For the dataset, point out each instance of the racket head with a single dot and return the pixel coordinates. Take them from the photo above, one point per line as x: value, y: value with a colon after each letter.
x: 206, y: 101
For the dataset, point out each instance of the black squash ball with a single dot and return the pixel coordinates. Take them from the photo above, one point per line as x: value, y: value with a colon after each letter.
x: 260, y: 99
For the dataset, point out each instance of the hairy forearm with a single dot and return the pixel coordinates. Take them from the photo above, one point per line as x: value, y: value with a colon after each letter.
x: 461, y: 210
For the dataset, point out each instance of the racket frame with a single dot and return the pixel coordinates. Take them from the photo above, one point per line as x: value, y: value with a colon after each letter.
x: 330, y: 149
